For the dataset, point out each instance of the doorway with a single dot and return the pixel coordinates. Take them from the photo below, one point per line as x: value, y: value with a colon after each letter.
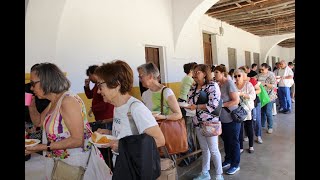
x: 256, y: 59
x: 207, y: 49
x: 232, y: 58
x: 247, y: 56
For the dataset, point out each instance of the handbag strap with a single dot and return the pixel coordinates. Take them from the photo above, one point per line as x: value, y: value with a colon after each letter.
x: 161, y: 106
x: 133, y: 125
x: 194, y: 93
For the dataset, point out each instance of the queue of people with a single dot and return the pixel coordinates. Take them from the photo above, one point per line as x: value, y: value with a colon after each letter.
x: 66, y: 130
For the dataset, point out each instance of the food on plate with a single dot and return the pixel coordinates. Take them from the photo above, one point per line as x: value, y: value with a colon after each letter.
x: 154, y: 113
x: 29, y: 141
x: 99, y: 138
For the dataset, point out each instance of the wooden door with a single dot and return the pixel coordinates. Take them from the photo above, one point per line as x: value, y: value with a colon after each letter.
x: 152, y: 55
x: 207, y: 49
x: 247, y: 56
x: 232, y: 59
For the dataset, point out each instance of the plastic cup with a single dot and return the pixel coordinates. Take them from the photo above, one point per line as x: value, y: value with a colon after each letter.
x: 27, y: 98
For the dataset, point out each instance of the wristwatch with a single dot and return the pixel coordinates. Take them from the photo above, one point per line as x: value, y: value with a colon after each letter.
x: 48, y: 146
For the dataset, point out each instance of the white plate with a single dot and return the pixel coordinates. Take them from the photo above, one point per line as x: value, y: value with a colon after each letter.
x: 103, y: 145
x: 37, y: 141
x: 155, y: 113
x: 183, y: 104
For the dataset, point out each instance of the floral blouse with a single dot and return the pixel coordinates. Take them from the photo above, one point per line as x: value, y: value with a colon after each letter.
x: 56, y: 130
x: 212, y: 89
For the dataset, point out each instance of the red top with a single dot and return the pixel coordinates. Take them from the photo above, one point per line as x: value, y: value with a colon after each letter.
x: 253, y: 81
x: 100, y: 109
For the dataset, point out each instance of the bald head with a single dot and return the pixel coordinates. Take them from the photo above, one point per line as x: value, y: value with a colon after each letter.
x: 283, y: 64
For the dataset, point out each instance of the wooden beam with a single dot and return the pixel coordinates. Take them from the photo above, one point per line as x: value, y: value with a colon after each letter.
x: 258, y: 11
x: 264, y: 22
x: 272, y: 16
x: 261, y: 25
x: 265, y: 3
x: 238, y: 5
x: 224, y: 8
x: 267, y: 28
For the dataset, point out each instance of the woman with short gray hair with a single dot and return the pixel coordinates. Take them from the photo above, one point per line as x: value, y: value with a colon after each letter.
x: 64, y: 121
x: 148, y: 75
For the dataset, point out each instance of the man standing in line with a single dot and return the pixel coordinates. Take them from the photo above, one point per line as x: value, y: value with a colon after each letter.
x: 253, y: 71
x: 286, y: 81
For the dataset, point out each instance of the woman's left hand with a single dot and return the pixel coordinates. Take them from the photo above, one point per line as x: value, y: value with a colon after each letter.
x: 159, y: 117
x: 33, y: 149
x: 114, y: 145
x: 192, y: 107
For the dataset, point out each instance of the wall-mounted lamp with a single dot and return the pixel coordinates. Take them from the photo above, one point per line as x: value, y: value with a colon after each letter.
x: 221, y: 30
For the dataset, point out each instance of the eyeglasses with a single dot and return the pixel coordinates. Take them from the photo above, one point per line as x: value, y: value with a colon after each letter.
x: 197, y: 72
x: 235, y: 76
x: 33, y: 83
x: 261, y: 69
x: 99, y: 85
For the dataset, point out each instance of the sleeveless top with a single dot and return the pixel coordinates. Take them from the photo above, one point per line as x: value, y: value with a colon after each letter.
x: 56, y: 130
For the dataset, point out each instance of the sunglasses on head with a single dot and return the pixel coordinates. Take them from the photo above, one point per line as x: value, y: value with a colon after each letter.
x: 235, y: 76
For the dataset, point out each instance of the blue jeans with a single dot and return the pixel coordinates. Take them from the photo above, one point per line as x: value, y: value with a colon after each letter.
x: 266, y: 115
x: 230, y: 137
x: 284, y: 98
x: 256, y: 116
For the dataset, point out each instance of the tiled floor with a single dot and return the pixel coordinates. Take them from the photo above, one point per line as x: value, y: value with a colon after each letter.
x: 272, y: 160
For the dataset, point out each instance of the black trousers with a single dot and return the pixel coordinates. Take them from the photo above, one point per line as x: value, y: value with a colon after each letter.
x: 106, y: 152
x: 248, y: 128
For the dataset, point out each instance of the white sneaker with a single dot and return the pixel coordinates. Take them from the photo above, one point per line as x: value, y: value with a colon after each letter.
x: 245, y: 139
x: 292, y: 100
x: 218, y: 177
x: 259, y: 140
x: 241, y: 150
x: 270, y: 131
x: 203, y: 176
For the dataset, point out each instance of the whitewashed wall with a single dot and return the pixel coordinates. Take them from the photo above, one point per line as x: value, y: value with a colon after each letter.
x: 77, y: 33
x: 234, y: 38
x: 287, y: 54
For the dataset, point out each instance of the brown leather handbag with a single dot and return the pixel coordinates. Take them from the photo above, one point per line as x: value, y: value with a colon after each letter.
x: 175, y: 133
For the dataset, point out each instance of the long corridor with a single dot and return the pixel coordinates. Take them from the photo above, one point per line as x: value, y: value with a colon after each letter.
x: 272, y: 160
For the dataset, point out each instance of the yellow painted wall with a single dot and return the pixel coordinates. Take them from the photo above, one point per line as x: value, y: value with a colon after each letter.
x: 135, y: 92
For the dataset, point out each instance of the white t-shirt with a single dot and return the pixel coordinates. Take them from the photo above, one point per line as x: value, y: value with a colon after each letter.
x: 153, y: 100
x: 285, y: 72
x: 142, y: 117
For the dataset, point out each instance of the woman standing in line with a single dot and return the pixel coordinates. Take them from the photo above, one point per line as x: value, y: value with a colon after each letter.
x: 148, y: 75
x: 109, y: 76
x: 64, y: 121
x: 208, y: 145
x: 231, y: 129
x: 247, y: 95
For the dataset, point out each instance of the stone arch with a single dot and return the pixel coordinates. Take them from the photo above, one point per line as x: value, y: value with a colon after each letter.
x: 267, y: 43
x: 186, y: 14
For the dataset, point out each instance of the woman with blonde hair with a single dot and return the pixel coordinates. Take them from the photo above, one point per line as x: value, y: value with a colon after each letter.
x: 256, y: 111
x: 247, y: 95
